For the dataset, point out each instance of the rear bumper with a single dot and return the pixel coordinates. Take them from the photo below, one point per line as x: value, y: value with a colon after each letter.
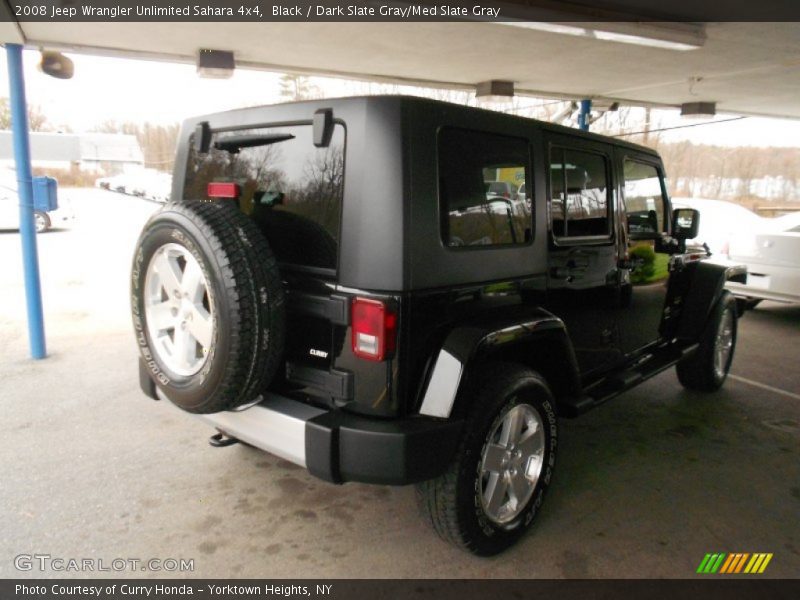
x: 780, y: 284
x: 338, y: 446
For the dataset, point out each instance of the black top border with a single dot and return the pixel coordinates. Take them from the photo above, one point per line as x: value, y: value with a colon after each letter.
x: 367, y: 11
x: 394, y: 589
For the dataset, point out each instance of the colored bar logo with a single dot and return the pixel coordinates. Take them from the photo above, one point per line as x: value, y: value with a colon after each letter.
x: 734, y: 563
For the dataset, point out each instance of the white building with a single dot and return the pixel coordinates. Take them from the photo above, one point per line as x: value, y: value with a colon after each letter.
x: 110, y: 153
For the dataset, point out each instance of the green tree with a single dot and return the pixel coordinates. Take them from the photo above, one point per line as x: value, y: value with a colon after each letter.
x: 645, y: 256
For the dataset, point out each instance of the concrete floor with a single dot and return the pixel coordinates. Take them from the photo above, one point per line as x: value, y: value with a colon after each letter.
x: 645, y: 485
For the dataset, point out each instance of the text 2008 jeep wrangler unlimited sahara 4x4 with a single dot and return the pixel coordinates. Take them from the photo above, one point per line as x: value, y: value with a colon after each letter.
x: 335, y: 282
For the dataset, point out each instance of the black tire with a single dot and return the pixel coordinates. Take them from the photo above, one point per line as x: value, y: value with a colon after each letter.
x: 452, y: 502
x: 264, y: 269
x: 41, y: 221
x: 698, y: 371
x: 246, y: 302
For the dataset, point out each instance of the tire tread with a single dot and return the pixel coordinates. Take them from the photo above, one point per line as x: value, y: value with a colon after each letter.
x: 437, y: 498
x: 253, y: 289
x: 696, y: 371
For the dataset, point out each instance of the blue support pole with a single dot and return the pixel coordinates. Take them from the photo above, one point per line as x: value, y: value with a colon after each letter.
x: 27, y: 228
x: 583, y: 116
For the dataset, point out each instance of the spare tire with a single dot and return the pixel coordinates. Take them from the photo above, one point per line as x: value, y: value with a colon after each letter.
x: 208, y: 305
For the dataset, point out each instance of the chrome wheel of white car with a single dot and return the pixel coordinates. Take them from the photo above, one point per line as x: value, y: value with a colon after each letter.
x: 511, y: 463
x: 178, y: 309
x: 41, y: 222
x: 723, y: 344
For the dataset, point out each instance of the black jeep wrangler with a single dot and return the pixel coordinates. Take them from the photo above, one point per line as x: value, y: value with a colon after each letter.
x: 344, y: 284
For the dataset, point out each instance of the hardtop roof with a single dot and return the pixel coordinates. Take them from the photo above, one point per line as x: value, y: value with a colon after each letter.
x: 552, y: 127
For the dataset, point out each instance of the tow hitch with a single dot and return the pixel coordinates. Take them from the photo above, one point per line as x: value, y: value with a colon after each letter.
x: 222, y: 440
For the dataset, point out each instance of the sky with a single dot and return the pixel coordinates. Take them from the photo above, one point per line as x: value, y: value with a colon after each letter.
x: 136, y: 90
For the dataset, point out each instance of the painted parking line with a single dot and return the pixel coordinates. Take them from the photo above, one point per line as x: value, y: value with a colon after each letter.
x: 764, y: 386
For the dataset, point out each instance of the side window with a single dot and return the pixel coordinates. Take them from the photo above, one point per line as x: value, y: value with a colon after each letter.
x: 579, y: 204
x: 644, y: 199
x: 479, y: 178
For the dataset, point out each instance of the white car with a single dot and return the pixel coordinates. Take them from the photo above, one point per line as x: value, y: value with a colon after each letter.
x: 144, y: 183
x: 153, y: 185
x: 772, y: 256
x: 9, y: 209
x: 116, y: 183
x: 720, y: 222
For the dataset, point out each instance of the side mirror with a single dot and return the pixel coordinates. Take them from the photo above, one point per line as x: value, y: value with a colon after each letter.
x: 685, y: 223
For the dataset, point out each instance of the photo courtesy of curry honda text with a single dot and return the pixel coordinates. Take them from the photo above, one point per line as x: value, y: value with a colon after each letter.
x: 395, y: 291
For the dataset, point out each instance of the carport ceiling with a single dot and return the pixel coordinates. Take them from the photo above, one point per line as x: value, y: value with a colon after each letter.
x: 747, y: 68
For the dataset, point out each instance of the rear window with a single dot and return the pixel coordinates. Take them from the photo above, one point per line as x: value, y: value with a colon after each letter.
x: 477, y: 175
x: 292, y: 189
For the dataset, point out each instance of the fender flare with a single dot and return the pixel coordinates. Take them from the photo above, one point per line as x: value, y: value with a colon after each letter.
x: 469, y: 341
x: 705, y: 289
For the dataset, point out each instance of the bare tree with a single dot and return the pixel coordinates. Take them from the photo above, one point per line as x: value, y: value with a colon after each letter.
x: 37, y: 121
x: 297, y: 87
x: 158, y: 142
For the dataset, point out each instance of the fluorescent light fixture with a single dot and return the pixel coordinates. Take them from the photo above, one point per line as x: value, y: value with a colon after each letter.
x: 698, y: 109
x: 668, y: 36
x: 495, y: 91
x: 215, y: 64
x: 548, y: 27
x: 638, y: 40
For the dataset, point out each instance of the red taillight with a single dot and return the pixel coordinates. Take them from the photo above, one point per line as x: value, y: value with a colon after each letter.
x: 223, y: 189
x: 374, y: 329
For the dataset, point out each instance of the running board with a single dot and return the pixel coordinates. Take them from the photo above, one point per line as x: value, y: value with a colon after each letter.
x: 277, y: 425
x: 616, y: 384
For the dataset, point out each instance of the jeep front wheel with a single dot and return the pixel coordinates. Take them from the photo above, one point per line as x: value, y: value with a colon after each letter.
x: 706, y: 369
x: 207, y: 306
x: 492, y: 491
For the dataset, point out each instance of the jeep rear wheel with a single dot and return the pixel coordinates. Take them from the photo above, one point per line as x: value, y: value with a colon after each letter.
x: 492, y: 491
x: 207, y: 306
x: 706, y: 369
